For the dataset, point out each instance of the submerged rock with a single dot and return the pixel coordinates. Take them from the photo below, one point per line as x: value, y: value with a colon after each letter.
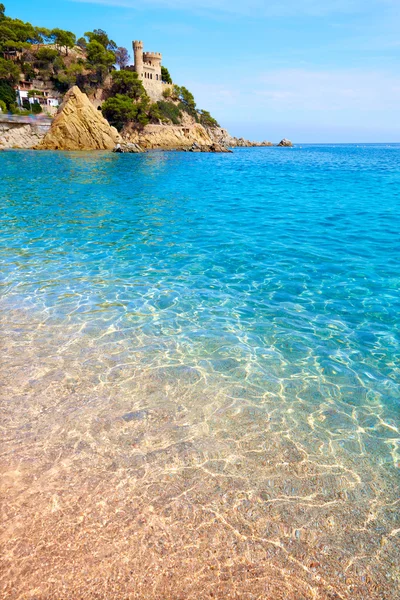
x: 79, y: 126
x: 285, y: 143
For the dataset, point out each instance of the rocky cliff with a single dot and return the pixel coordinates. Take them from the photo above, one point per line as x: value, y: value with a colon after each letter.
x: 79, y: 126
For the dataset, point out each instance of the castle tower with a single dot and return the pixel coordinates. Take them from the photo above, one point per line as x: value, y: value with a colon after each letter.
x: 138, y: 55
x: 148, y: 67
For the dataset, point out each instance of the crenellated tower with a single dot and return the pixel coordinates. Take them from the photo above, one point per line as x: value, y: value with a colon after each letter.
x: 138, y: 57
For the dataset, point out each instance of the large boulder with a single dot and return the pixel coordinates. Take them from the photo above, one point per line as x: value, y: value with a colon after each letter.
x: 285, y: 143
x: 79, y: 126
x: 127, y: 148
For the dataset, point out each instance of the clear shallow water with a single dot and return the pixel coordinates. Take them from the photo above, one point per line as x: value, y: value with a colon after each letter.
x: 200, y: 375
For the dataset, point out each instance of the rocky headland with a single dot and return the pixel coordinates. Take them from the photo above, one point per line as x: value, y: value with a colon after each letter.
x: 78, y: 125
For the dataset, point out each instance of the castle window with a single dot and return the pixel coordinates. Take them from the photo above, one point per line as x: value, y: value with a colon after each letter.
x: 156, y: 76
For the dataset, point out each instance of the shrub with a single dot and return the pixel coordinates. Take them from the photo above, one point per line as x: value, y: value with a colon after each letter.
x: 119, y: 110
x: 154, y: 113
x: 46, y: 55
x: 36, y: 108
x: 167, y: 92
x: 3, y: 107
x: 28, y: 71
x: 169, y: 112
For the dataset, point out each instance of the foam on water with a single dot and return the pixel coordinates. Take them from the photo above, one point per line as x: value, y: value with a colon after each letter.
x: 200, y: 374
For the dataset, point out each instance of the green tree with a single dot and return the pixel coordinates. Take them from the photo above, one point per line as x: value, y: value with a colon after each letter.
x: 9, y: 71
x: 82, y: 43
x: 7, y: 94
x: 176, y: 91
x: 119, y: 110
x: 64, y: 39
x: 100, y: 36
x: 3, y: 106
x: 97, y: 54
x: 127, y: 83
x: 207, y: 120
x: 2, y: 11
x: 122, y: 57
x: 154, y: 113
x: 66, y: 78
x: 43, y: 36
x: 165, y: 76
x: 187, y: 98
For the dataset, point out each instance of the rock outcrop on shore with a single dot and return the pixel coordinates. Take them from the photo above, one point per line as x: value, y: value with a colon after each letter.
x: 214, y: 147
x: 127, y: 148
x: 223, y: 137
x: 168, y: 137
x: 79, y: 126
x: 23, y: 136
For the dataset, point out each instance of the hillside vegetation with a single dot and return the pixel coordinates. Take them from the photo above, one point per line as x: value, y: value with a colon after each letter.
x: 60, y: 60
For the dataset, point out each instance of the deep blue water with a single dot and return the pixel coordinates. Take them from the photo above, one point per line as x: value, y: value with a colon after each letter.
x: 268, y: 276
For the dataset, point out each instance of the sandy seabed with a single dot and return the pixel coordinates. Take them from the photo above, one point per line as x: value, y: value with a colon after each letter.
x: 127, y: 481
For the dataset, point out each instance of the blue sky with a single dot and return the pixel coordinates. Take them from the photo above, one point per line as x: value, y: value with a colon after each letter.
x: 309, y: 70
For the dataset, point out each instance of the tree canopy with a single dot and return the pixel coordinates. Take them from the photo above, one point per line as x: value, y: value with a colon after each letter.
x: 165, y: 76
x: 128, y: 84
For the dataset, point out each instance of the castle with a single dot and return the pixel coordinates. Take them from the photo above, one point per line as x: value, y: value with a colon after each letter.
x: 148, y: 67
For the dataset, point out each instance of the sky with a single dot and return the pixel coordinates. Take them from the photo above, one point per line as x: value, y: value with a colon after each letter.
x: 309, y: 70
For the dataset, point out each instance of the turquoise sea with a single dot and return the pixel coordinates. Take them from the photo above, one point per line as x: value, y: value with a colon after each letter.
x: 200, y: 374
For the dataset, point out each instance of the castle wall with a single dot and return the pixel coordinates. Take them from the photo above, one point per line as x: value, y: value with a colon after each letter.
x: 155, y: 88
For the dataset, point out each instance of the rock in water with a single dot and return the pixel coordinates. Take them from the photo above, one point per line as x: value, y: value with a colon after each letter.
x: 79, y: 126
x: 127, y: 148
x: 286, y: 143
x: 214, y: 147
